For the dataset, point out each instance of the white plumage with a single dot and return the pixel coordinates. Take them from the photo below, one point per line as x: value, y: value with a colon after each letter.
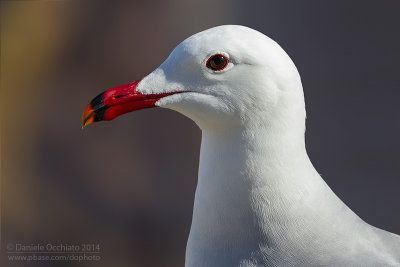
x: 259, y: 201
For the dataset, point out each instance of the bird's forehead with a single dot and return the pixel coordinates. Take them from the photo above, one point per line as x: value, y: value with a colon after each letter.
x: 224, y: 37
x: 240, y: 41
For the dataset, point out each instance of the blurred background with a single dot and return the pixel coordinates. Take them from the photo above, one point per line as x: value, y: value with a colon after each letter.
x: 129, y: 185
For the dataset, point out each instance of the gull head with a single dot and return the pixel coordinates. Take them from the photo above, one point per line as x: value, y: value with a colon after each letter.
x: 222, y: 78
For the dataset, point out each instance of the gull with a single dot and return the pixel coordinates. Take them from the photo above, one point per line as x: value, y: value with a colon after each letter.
x: 259, y: 201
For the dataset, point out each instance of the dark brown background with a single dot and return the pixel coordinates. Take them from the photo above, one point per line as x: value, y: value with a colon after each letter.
x: 129, y: 185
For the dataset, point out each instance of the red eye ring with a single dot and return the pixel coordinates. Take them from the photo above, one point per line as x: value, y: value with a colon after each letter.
x: 217, y: 62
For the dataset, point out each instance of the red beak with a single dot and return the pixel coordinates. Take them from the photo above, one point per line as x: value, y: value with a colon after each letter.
x: 117, y: 101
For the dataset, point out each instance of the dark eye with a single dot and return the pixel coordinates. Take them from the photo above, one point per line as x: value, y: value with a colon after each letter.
x: 217, y: 62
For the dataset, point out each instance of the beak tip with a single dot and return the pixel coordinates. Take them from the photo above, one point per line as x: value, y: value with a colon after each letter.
x: 88, y: 116
x: 86, y: 121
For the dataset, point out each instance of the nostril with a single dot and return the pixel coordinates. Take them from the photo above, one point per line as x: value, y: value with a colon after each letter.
x: 118, y: 96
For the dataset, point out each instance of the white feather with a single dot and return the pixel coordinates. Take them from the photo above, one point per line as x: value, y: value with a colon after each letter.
x: 259, y: 201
